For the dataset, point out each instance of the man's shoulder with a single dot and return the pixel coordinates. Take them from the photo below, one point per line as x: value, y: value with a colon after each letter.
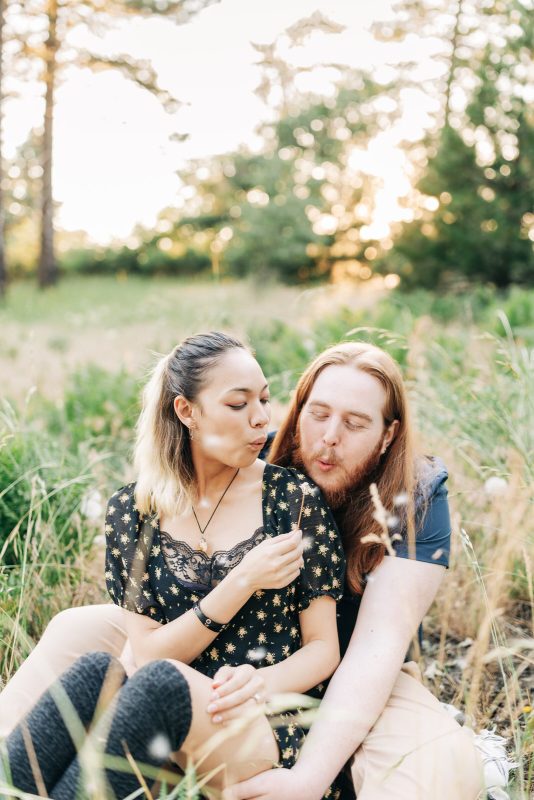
x: 431, y: 476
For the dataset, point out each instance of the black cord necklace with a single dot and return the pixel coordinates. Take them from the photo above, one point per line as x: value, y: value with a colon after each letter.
x: 203, y: 544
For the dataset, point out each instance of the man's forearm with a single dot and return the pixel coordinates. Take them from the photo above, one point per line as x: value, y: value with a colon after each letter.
x: 347, y: 713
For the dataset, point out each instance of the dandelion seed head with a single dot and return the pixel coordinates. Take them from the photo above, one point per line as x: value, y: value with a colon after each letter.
x: 91, y: 506
x: 392, y: 521
x: 495, y: 486
x: 400, y: 499
x: 257, y: 653
x: 160, y: 747
x: 307, y: 542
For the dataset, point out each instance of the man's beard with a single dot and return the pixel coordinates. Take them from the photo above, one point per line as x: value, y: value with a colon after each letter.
x: 353, y: 480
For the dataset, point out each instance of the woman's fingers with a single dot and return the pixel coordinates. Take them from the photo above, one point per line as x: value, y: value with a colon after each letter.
x: 240, y: 676
x: 286, y: 542
x: 223, y: 674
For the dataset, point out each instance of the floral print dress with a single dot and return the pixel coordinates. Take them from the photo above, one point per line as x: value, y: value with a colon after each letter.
x: 151, y: 573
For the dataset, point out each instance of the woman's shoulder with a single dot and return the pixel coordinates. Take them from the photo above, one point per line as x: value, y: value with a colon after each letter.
x: 290, y: 478
x: 122, y: 514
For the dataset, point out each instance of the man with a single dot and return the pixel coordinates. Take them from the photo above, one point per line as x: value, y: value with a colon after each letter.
x: 348, y: 426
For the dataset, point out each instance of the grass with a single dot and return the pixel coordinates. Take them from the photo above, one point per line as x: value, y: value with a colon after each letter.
x: 469, y: 365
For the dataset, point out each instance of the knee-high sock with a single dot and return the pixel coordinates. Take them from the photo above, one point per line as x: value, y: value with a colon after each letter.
x: 51, y: 743
x: 155, y: 702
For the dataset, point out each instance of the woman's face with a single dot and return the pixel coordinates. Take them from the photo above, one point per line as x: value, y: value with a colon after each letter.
x: 231, y: 413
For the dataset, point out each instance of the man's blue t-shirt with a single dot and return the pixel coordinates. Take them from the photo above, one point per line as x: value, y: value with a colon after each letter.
x: 432, y: 536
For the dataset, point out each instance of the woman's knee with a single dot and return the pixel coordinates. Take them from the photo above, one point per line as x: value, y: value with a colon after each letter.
x: 85, y: 628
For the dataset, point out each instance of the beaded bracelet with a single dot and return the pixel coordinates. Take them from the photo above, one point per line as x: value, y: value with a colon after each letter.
x: 216, y: 627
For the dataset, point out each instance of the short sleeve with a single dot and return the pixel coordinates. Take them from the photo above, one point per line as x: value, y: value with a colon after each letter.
x: 432, y: 521
x: 324, y: 561
x: 128, y: 545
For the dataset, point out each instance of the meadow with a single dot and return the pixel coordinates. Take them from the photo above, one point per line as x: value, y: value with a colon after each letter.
x: 72, y: 361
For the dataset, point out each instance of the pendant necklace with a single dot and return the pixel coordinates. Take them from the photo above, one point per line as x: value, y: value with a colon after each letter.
x: 203, y: 544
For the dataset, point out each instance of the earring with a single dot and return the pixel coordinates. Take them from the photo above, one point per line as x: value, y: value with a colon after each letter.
x: 191, y: 433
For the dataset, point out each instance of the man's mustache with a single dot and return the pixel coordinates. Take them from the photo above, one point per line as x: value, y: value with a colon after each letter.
x: 325, y: 454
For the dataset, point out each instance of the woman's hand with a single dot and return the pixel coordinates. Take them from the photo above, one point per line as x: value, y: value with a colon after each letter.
x: 235, y: 690
x: 274, y: 563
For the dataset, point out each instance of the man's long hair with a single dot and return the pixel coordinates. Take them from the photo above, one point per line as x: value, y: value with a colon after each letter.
x: 394, y: 473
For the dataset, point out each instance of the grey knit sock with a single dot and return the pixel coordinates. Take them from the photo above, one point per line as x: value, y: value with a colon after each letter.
x: 51, y: 747
x: 152, y: 716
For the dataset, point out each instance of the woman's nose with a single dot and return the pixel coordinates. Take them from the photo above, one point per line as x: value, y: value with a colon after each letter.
x: 261, y: 416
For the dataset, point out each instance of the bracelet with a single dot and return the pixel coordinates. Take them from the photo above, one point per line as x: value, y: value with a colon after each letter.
x: 216, y: 627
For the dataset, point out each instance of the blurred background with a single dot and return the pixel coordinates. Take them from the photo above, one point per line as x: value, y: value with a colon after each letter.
x: 298, y: 172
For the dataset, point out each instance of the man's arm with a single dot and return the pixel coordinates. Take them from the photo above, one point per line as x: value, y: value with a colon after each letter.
x: 397, y: 596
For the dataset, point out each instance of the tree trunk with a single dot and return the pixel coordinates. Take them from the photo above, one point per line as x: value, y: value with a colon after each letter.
x: 48, y: 272
x: 3, y: 270
x: 453, y: 62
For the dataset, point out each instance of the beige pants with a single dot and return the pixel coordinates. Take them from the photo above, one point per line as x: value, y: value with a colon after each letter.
x: 415, y: 751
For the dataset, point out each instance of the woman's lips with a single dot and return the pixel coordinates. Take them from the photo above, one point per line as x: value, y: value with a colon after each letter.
x: 258, y: 444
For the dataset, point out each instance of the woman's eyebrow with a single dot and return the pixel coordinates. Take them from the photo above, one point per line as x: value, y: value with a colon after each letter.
x: 244, y: 389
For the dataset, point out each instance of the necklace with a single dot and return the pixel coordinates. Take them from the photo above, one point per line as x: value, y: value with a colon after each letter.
x: 203, y: 544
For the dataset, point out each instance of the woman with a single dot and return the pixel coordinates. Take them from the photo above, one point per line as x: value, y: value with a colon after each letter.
x: 228, y: 567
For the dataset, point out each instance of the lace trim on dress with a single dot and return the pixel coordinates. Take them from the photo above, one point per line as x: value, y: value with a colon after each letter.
x: 195, y: 569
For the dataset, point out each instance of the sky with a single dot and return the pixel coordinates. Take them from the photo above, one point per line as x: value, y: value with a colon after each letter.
x: 114, y: 163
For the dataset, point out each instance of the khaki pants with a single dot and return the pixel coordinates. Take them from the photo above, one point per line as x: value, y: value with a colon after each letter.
x: 415, y: 751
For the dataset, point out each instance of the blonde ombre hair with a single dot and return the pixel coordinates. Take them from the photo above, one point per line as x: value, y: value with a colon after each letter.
x: 162, y: 457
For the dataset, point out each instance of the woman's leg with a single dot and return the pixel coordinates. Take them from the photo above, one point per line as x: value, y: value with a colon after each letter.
x: 69, y: 635
x: 242, y: 750
x: 41, y: 747
x: 416, y: 750
x: 150, y: 719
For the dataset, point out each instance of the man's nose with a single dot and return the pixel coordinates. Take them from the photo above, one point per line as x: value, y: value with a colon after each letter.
x: 331, y: 433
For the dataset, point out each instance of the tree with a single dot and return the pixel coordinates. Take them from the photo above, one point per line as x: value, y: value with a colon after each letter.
x: 50, y: 51
x: 473, y: 202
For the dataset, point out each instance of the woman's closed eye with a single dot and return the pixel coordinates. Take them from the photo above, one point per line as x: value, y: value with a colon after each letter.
x: 239, y: 406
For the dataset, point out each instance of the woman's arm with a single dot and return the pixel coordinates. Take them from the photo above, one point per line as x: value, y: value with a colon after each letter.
x: 315, y: 661
x: 395, y: 600
x: 272, y: 564
x: 317, y: 658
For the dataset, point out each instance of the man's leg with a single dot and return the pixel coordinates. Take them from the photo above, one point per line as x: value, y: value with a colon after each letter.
x: 416, y: 750
x: 69, y: 635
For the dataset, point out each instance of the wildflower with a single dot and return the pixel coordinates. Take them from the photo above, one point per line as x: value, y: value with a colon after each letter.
x: 91, y: 505
x: 160, y: 747
x: 495, y: 486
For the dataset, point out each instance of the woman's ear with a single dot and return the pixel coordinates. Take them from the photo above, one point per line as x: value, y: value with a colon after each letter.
x: 184, y: 411
x: 389, y: 435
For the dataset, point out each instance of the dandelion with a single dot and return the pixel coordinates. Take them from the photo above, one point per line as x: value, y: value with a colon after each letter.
x: 257, y: 654
x: 91, y: 506
x: 160, y: 747
x: 495, y: 486
x: 400, y: 499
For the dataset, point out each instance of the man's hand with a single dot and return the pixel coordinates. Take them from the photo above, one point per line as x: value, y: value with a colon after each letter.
x: 235, y: 690
x: 275, y: 784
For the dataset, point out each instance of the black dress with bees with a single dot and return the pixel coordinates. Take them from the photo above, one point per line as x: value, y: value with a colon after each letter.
x: 151, y: 573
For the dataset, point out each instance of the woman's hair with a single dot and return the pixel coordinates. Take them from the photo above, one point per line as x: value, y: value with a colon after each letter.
x: 162, y: 456
x: 394, y: 474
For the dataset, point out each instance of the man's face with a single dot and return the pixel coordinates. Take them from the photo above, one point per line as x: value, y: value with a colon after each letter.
x: 341, y: 430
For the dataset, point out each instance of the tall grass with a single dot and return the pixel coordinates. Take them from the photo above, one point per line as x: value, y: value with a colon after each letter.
x: 469, y: 364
